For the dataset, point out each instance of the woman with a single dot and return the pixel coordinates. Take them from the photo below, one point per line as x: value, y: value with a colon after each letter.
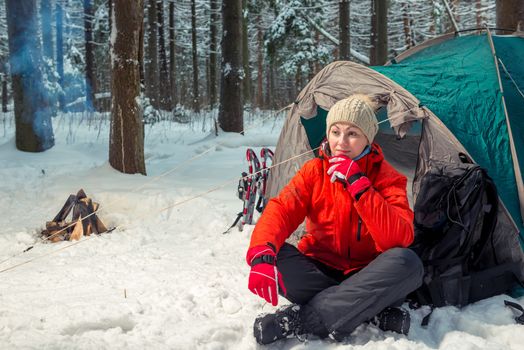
x: 352, y: 264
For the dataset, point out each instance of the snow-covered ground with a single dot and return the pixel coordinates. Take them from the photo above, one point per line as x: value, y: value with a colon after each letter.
x: 166, y: 278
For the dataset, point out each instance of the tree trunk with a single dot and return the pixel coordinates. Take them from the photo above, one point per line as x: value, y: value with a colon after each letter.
x: 151, y: 63
x: 172, y: 53
x: 196, y: 97
x: 480, y: 19
x: 245, y: 55
x: 90, y: 55
x: 343, y: 30
x: 141, y: 53
x: 433, y: 25
x: 60, y: 53
x: 379, y: 37
x: 316, y: 65
x: 406, y: 20
x: 126, y: 144
x: 165, y: 95
x: 454, y: 7
x: 230, y: 117
x: 260, y: 63
x: 47, y: 32
x: 34, y: 131
x: 510, y: 14
x: 208, y: 91
x: 110, y: 12
x: 4, y: 93
x: 270, y: 79
x: 213, y: 4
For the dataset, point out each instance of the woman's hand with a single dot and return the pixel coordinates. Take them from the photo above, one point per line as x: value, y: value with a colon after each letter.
x: 264, y: 274
x: 347, y: 171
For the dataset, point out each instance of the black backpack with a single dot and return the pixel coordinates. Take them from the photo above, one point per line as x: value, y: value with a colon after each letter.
x: 455, y: 219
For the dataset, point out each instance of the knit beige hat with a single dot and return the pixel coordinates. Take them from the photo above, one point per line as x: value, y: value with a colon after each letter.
x: 357, y: 110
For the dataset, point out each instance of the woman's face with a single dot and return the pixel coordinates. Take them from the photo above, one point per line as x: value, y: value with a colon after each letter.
x: 346, y: 139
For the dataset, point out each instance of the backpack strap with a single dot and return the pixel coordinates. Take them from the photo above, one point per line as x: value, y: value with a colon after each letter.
x: 239, y: 216
x: 518, y: 307
x: 489, y: 222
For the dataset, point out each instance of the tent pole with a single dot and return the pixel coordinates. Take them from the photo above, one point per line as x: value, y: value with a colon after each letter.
x: 516, y: 167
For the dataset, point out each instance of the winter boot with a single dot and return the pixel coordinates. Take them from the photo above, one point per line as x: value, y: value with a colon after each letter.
x: 285, y: 322
x: 393, y: 319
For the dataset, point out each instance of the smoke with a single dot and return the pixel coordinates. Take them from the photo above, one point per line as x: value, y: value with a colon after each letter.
x: 33, y: 107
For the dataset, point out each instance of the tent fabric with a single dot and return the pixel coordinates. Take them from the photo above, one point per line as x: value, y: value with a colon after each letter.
x: 510, y: 54
x: 451, y: 88
x: 457, y: 80
x: 334, y: 82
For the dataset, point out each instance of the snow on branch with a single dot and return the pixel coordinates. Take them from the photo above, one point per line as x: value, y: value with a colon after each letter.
x: 361, y: 57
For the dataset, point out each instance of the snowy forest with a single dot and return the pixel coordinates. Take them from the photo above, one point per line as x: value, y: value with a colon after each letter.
x: 145, y: 113
x: 193, y: 56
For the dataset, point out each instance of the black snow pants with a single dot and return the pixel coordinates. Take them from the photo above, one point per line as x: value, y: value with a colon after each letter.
x: 334, y: 304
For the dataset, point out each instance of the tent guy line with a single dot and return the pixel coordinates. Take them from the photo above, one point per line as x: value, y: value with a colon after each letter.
x: 152, y: 213
x: 510, y: 77
x: 165, y: 208
x: 164, y: 174
x: 147, y: 183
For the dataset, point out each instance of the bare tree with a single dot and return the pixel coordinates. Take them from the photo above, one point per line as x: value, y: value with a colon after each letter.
x: 245, y: 54
x: 126, y: 144
x: 34, y: 131
x: 196, y: 97
x: 60, y: 51
x: 343, y: 30
x: 90, y: 54
x: 510, y: 14
x: 4, y: 93
x: 151, y: 63
x: 172, y: 53
x: 230, y: 116
x: 407, y: 23
x: 260, y: 63
x: 165, y: 95
x: 379, y: 33
x: 480, y: 19
x: 213, y: 5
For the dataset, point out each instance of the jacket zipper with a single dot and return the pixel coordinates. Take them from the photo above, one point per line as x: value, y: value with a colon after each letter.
x: 358, y: 229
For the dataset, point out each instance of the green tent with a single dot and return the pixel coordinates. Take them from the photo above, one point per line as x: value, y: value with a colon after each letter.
x: 475, y: 85
x: 446, y: 99
x: 466, y: 90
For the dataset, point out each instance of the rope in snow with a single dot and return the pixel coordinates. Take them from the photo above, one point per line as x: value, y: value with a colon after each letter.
x: 156, y: 212
x: 156, y: 178
x: 224, y: 184
x: 165, y: 208
x: 44, y: 255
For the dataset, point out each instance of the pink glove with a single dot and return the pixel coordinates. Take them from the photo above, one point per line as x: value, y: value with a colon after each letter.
x: 347, y: 171
x: 264, y: 274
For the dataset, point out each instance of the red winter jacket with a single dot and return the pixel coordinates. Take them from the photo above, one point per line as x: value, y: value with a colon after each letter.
x: 340, y: 232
